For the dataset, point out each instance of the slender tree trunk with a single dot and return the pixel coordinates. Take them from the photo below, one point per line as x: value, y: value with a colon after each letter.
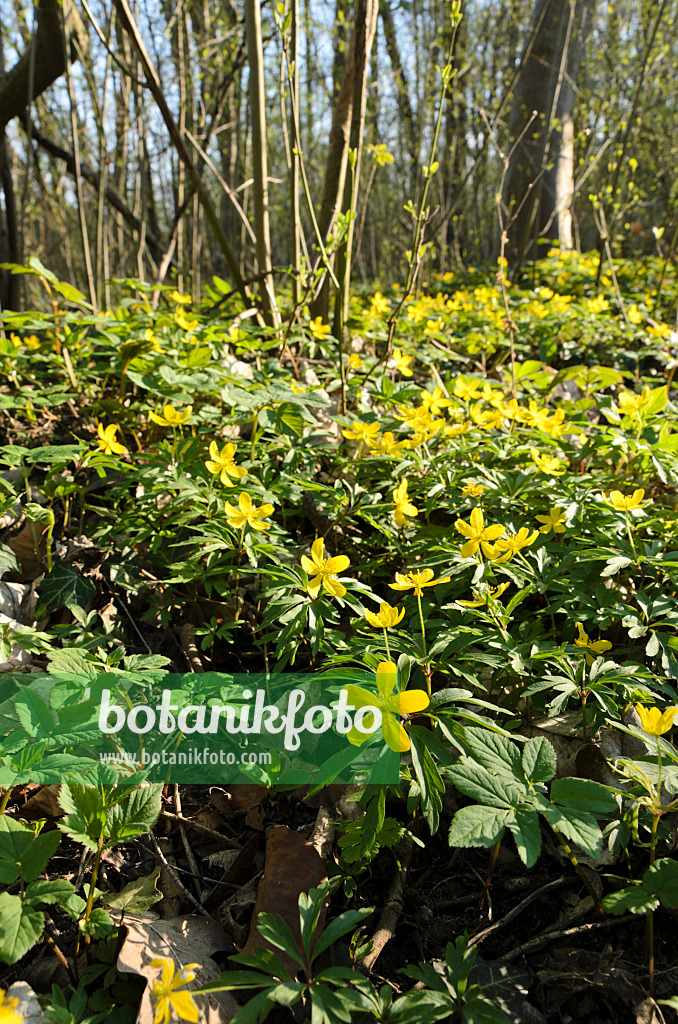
x: 555, y: 215
x: 405, y: 112
x: 255, y: 50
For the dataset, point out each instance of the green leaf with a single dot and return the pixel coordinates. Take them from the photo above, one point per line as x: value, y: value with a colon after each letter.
x: 99, y: 925
x: 341, y: 925
x: 478, y: 826
x: 430, y: 782
x: 580, y: 827
x: 34, y: 714
x: 480, y: 785
x: 85, y: 820
x: 538, y: 760
x: 64, y: 587
x: 288, y: 420
x: 523, y: 822
x: 584, y: 795
x: 137, y: 896
x: 493, y: 751
x: 20, y: 927
x: 44, y: 890
x: 22, y: 853
x: 8, y: 560
x: 480, y: 1011
x: 275, y: 930
x: 634, y: 900
x: 421, y: 1007
x: 135, y: 814
x: 662, y: 880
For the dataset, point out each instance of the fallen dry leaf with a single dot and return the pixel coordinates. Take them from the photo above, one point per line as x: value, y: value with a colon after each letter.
x: 292, y: 866
x: 185, y: 940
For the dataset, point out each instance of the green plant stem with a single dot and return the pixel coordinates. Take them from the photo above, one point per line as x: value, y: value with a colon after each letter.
x: 90, y: 897
x: 5, y: 800
x: 577, y: 867
x: 237, y: 570
x: 388, y: 653
x: 427, y: 669
x: 629, y: 534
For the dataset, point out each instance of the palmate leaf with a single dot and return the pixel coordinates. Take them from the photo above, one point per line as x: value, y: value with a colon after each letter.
x: 64, y: 587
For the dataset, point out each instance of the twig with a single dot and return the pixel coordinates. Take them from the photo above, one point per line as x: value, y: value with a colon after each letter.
x: 546, y: 937
x: 555, y: 884
x: 185, y: 843
x: 175, y: 878
x: 230, y: 843
x: 393, y: 907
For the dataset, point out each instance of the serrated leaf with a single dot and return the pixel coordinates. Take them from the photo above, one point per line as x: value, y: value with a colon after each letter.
x: 538, y: 760
x: 135, y: 814
x: 33, y: 713
x: 580, y: 827
x: 493, y: 751
x: 44, y: 890
x: 523, y: 822
x: 479, y: 784
x: 99, y: 924
x: 478, y: 826
x: 661, y: 879
x: 634, y: 900
x: 20, y: 927
x: 584, y: 795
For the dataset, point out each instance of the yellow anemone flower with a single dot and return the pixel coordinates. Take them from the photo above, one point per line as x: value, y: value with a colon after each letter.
x: 318, y: 329
x: 222, y: 462
x: 403, y: 505
x: 391, y: 704
x: 247, y: 515
x: 478, y: 535
x: 466, y: 389
x: 402, y: 363
x: 434, y: 401
x: 555, y: 521
x: 514, y: 542
x: 363, y: 432
x: 597, y: 646
x: 181, y: 300
x: 182, y: 320
x: 654, y: 721
x: 630, y: 402
x: 417, y: 581
x: 386, y: 617
x: 8, y: 1005
x: 355, y: 362
x: 625, y: 502
x: 472, y: 491
x: 492, y: 593
x: 167, y: 998
x: 107, y: 440
x: 386, y: 444
x: 549, y: 463
x: 171, y: 417
x: 322, y: 571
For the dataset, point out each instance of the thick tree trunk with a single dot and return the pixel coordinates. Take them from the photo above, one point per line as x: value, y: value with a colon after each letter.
x: 537, y: 98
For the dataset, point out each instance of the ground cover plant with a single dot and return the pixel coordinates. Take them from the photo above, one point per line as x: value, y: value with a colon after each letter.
x: 470, y: 513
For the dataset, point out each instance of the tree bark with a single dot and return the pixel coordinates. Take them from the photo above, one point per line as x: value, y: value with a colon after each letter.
x: 537, y: 97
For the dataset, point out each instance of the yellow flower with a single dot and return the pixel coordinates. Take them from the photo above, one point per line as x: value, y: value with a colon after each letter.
x: 181, y: 300
x: 472, y: 491
x: 555, y: 521
x: 318, y: 329
x: 655, y: 722
x: 108, y: 442
x: 233, y: 334
x: 492, y: 593
x: 182, y: 320
x: 355, y: 362
x: 222, y: 462
x: 171, y: 417
x: 386, y: 444
x: 625, y: 502
x: 630, y: 403
x: 434, y: 401
x: 597, y: 646
x: 659, y: 331
x: 514, y: 542
x: 167, y: 998
x: 8, y: 1005
x: 478, y: 535
x: 378, y: 306
x: 150, y: 337
x: 363, y: 432
x: 322, y: 571
x: 465, y: 389
x: 16, y: 340
x: 391, y: 704
x: 549, y: 463
x: 247, y: 515
x: 417, y: 581
x: 634, y: 314
x: 402, y: 363
x: 386, y: 617
x: 597, y: 305
x: 403, y: 505
x: 434, y: 326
